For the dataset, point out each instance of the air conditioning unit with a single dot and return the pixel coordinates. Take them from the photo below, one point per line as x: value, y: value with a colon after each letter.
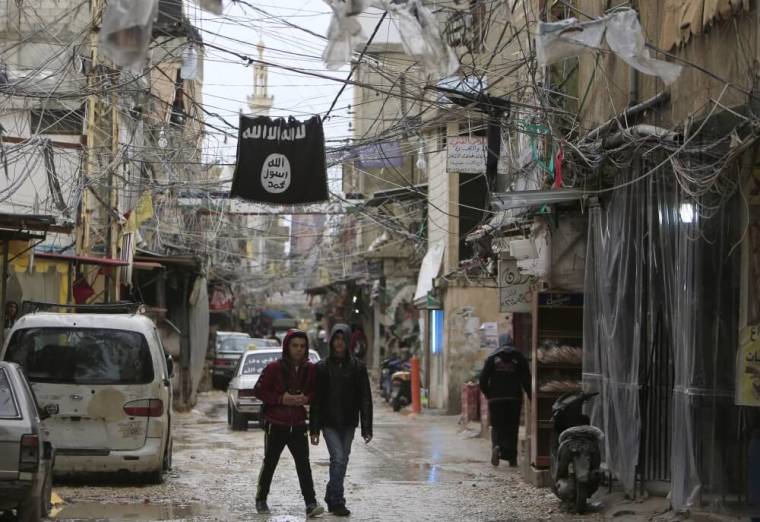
x: 522, y: 249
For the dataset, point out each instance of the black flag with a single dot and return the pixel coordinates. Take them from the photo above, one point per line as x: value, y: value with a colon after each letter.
x: 280, y: 161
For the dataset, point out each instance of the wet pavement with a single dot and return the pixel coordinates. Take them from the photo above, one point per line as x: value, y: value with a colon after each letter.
x: 418, y: 468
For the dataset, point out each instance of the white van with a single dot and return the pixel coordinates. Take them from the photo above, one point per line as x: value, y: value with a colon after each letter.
x: 105, y: 381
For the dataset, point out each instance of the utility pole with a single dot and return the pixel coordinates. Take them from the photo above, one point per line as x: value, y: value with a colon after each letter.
x: 99, y: 233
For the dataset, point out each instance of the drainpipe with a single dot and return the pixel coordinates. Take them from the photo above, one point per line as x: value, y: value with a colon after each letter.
x: 633, y: 87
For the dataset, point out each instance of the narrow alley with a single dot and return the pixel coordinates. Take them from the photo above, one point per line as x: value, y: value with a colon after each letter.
x: 416, y: 469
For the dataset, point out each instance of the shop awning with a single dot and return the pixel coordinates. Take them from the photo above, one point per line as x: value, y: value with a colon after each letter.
x: 429, y: 270
x: 82, y: 260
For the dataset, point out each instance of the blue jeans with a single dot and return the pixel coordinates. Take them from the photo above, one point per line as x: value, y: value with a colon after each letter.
x: 338, y: 442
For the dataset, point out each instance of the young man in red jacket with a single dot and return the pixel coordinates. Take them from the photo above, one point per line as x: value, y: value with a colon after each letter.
x: 285, y: 387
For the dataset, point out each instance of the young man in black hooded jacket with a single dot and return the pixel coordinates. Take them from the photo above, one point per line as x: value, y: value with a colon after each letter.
x: 505, y: 376
x: 343, y: 398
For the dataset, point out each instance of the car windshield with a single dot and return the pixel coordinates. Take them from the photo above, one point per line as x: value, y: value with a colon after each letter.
x: 82, y: 355
x: 235, y: 344
x: 7, y: 405
x: 255, y: 363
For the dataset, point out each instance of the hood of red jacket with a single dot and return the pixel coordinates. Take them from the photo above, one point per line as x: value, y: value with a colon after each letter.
x: 292, y: 333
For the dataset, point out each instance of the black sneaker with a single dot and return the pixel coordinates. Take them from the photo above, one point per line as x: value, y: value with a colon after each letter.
x: 340, y: 511
x: 495, y: 456
x: 261, y: 507
x: 314, y: 510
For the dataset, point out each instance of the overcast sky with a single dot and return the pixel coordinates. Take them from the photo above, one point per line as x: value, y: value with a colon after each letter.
x: 228, y: 82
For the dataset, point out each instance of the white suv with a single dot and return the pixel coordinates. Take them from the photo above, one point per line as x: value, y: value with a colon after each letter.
x: 105, y: 381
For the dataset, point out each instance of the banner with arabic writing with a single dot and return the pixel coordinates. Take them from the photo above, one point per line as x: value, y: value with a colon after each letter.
x: 280, y: 161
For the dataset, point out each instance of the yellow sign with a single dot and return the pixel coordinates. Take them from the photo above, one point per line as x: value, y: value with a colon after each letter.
x: 748, y: 367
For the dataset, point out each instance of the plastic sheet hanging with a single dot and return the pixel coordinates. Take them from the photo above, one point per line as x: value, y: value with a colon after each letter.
x: 417, y: 27
x: 660, y: 339
x: 559, y: 40
x: 127, y: 30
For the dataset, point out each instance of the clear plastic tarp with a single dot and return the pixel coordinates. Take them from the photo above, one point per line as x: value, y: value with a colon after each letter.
x: 556, y: 41
x: 661, y: 337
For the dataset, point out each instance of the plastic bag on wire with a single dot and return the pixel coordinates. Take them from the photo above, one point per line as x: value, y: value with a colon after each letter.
x: 417, y: 26
x: 625, y: 38
x: 421, y: 38
x: 344, y: 32
x: 212, y: 6
x: 189, y: 70
x: 127, y: 30
x: 556, y: 41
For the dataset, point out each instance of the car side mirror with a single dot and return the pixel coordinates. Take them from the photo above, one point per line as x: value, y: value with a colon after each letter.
x: 43, y: 413
x: 170, y: 365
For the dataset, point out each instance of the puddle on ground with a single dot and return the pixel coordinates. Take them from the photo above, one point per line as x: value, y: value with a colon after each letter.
x: 103, y: 511
x: 425, y: 473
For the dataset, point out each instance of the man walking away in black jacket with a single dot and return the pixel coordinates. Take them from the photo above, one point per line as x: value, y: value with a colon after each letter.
x: 504, y: 377
x: 343, y: 397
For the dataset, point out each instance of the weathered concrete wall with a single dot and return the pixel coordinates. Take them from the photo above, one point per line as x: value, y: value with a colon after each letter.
x: 568, y: 252
x: 465, y: 309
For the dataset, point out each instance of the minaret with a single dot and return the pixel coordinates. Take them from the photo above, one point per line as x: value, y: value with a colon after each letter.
x: 260, y: 102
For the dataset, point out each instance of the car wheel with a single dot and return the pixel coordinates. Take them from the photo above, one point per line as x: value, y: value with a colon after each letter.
x: 229, y: 415
x: 30, y: 510
x: 239, y: 421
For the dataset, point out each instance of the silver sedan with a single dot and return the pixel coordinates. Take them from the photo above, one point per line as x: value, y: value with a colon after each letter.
x: 242, y: 406
x: 26, y: 455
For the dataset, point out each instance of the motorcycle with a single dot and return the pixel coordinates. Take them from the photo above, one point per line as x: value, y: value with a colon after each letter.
x: 401, y: 389
x: 387, y: 368
x: 575, y: 451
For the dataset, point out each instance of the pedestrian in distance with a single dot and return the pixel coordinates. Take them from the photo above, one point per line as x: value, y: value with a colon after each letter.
x: 505, y: 376
x: 11, y: 314
x: 358, y: 342
x: 344, y: 398
x: 285, y: 388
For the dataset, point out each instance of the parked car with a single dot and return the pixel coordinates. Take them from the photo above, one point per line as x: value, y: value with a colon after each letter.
x: 221, y: 336
x: 26, y: 456
x: 106, y: 383
x: 264, y: 343
x: 227, y: 354
x: 242, y: 406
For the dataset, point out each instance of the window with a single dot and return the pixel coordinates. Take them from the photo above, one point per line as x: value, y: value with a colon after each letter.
x: 82, y: 355
x: 8, y: 409
x: 57, y: 121
x: 436, y: 331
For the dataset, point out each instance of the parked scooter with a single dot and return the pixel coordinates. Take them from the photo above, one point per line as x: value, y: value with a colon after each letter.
x: 575, y: 451
x: 389, y: 367
x: 401, y: 389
